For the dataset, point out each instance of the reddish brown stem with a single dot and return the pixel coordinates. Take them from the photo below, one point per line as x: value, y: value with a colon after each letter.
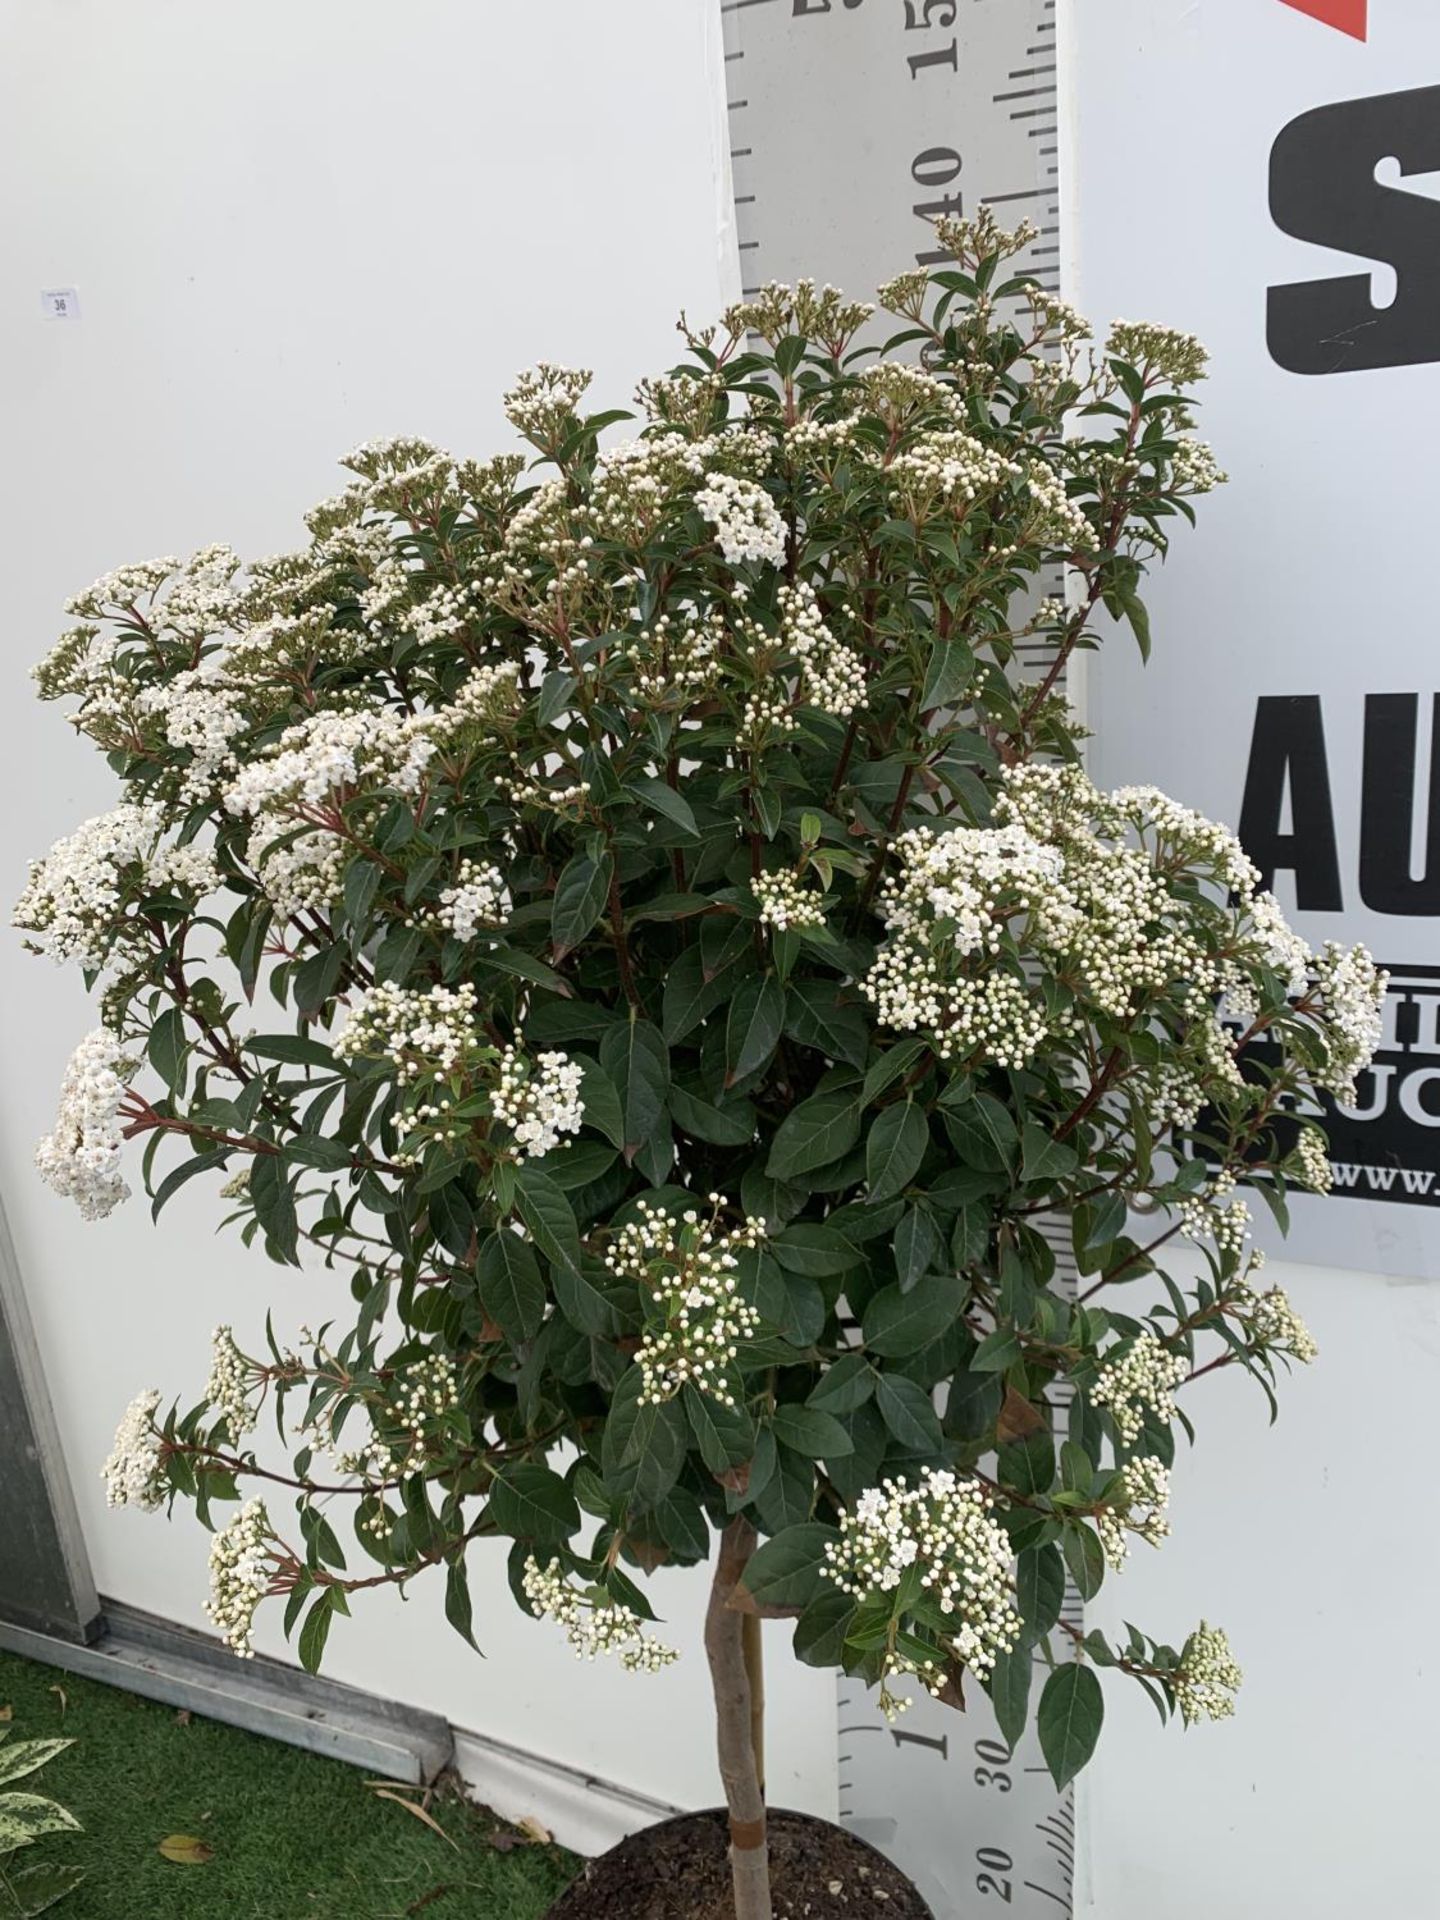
x: 734, y: 1731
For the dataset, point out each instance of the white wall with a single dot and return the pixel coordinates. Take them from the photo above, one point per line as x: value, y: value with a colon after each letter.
x: 1312, y: 1543
x: 291, y: 228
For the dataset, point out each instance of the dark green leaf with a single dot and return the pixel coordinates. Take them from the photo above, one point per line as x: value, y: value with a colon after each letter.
x: 808, y: 1430
x: 814, y: 1134
x: 316, y: 1631
x: 664, y: 799
x: 511, y: 1289
x: 1085, y: 1558
x: 894, y: 1149
x: 1039, y: 1590
x: 846, y: 1384
x: 638, y: 1061
x: 1010, y: 1692
x: 580, y: 896
x: 529, y: 1502
x: 752, y: 1029
x: 897, y: 1324
x: 909, y: 1413
x: 166, y: 1048
x: 1072, y: 1709
x: 787, y: 1571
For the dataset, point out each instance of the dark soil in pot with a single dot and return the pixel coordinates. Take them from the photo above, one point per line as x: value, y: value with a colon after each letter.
x: 680, y: 1870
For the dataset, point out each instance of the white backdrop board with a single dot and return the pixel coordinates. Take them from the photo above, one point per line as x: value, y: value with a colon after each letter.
x: 1286, y: 215
x: 1306, y: 582
x: 291, y: 228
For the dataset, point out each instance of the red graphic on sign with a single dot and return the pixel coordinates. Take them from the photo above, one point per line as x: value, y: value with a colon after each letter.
x: 1347, y: 15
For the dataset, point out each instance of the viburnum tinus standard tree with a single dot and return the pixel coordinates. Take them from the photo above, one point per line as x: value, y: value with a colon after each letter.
x: 625, y: 910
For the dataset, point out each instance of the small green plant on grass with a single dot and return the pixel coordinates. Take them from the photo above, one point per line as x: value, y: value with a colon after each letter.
x: 25, y: 1818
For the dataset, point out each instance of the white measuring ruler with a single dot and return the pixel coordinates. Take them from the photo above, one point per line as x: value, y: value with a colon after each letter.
x: 853, y: 125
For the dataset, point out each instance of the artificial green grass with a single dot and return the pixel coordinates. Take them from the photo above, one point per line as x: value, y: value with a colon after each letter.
x: 294, y: 1837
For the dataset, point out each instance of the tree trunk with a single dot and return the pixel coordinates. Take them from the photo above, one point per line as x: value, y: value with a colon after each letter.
x: 735, y: 1730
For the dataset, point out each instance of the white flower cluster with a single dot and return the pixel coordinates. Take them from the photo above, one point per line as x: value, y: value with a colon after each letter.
x: 941, y: 1525
x: 421, y: 1031
x: 1058, y: 316
x: 427, y: 1391
x: 228, y: 1388
x: 1313, y: 1152
x: 635, y: 482
x: 676, y: 660
x: 1140, y: 1380
x: 1059, y: 521
x: 767, y: 712
x: 1083, y: 884
x: 325, y: 756
x: 1353, y: 994
x: 80, y: 1159
x: 1176, y: 357
x: 538, y: 1103
x: 952, y: 901
x: 592, y: 1626
x: 73, y: 905
x: 315, y: 766
x: 478, y: 898
x: 1207, y: 1677
x: 1272, y: 1323
x: 775, y: 310
x: 132, y: 1472
x: 1203, y: 1216
x: 785, y: 901
x: 896, y: 392
x: 240, y: 1573
x: 544, y: 397
x: 950, y: 467
x: 1194, y: 468
x: 832, y: 675
x: 746, y: 520
x: 696, y: 1317
x: 1137, y: 1505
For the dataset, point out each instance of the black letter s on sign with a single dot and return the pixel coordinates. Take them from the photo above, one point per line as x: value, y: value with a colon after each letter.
x: 1323, y: 189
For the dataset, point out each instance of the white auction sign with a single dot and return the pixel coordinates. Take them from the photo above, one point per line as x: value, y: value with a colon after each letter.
x: 1263, y: 173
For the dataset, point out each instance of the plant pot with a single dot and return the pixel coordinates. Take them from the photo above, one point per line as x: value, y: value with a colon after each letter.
x: 680, y: 1870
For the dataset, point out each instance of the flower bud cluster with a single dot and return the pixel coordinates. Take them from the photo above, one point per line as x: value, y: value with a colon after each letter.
x: 1194, y: 468
x: 696, y: 1317
x: 942, y: 1527
x: 1137, y: 1504
x: 132, y: 1473
x: 592, y: 1625
x: 241, y: 1568
x: 676, y: 659
x: 1176, y: 357
x: 231, y: 1381
x: 819, y: 313
x: 80, y: 1159
x: 544, y: 398
x: 74, y: 904
x: 1353, y: 995
x: 949, y: 468
x: 538, y: 1103
x: 1312, y: 1150
x: 1140, y: 1379
x: 1271, y: 1323
x: 423, y: 1032
x: 1207, y: 1678
x: 747, y: 523
x: 785, y: 901
x: 832, y: 676
x: 478, y: 898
